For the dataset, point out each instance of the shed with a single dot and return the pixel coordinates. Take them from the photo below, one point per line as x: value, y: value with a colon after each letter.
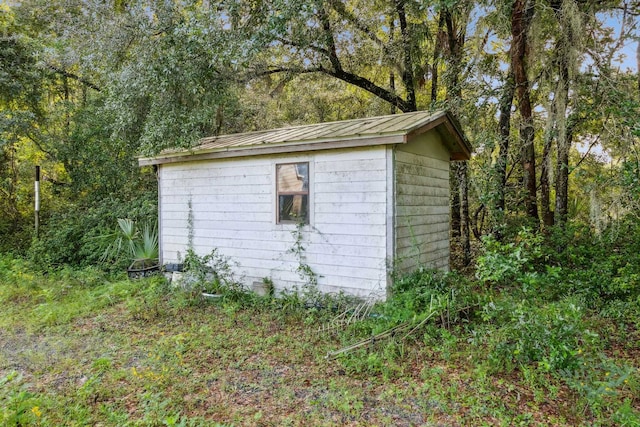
x: 347, y: 201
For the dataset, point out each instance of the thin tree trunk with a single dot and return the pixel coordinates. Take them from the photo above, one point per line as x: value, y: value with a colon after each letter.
x: 562, y: 181
x: 456, y: 219
x: 521, y: 17
x: 545, y: 169
x: 464, y: 213
x: 571, y: 29
x: 392, y: 76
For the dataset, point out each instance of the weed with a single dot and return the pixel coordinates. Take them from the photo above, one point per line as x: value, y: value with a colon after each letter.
x: 554, y: 336
x: 133, y: 354
x: 211, y: 273
x: 18, y: 406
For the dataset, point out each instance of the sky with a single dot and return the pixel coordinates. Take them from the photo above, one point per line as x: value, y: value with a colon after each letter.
x: 630, y: 48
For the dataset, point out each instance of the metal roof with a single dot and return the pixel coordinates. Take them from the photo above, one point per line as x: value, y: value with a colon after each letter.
x: 383, y: 130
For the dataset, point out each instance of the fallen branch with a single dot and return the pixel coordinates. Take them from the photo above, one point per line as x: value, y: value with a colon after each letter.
x: 381, y: 335
x: 433, y: 311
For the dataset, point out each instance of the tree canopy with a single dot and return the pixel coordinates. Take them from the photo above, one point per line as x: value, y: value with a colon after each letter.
x: 538, y: 85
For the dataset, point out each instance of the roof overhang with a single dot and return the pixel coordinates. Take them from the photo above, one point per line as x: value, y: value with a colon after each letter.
x: 224, y: 153
x: 442, y: 122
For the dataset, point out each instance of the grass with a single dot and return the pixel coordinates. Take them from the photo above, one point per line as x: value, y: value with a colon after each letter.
x: 80, y: 348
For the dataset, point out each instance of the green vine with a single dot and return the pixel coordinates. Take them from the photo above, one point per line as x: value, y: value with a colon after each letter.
x: 298, y: 248
x: 190, y: 224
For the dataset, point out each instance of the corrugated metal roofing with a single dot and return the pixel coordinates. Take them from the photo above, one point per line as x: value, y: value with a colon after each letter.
x: 372, y: 128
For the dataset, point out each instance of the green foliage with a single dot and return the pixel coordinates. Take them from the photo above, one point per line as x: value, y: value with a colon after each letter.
x: 17, y: 405
x: 141, y: 248
x: 555, y: 336
x: 503, y: 263
x: 74, y: 236
x: 181, y: 83
x: 211, y: 273
x: 601, y: 268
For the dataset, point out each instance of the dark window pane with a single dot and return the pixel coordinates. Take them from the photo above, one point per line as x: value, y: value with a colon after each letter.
x: 293, y: 208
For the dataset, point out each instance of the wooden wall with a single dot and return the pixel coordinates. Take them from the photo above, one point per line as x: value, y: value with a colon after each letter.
x: 422, y: 204
x: 233, y: 209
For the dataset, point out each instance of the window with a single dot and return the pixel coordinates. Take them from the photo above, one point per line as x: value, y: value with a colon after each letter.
x: 292, y: 187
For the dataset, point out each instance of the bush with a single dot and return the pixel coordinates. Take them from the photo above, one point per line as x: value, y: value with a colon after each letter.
x: 554, y: 336
x: 73, y: 236
x: 504, y: 263
x: 601, y: 268
x: 427, y: 290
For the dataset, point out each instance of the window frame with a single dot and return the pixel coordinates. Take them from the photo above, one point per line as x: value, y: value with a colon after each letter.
x: 279, y: 193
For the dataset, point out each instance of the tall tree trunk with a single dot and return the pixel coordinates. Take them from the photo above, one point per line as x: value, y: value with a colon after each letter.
x: 504, y: 129
x: 521, y: 17
x: 564, y: 144
x: 437, y: 52
x: 392, y: 75
x: 566, y: 66
x: 459, y: 183
x: 407, y: 69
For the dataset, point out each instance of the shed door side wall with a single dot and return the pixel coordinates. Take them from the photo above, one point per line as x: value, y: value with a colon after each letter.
x: 422, y: 204
x: 233, y: 210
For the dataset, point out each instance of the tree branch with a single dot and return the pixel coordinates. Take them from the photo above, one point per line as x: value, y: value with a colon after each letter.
x: 593, y: 144
x: 315, y: 48
x: 330, y: 41
x: 276, y: 70
x: 371, y: 87
x: 73, y: 76
x: 339, y: 7
x: 346, y: 77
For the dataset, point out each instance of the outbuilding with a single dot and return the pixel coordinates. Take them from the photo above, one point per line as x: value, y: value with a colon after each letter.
x: 341, y: 203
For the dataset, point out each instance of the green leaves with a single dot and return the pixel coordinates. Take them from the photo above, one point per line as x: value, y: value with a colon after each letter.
x: 139, y: 247
x: 503, y: 263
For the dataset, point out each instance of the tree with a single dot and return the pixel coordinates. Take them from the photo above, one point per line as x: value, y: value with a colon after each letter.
x: 521, y: 16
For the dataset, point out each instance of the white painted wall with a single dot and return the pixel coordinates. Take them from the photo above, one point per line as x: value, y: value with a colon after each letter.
x: 234, y: 210
x: 422, y: 204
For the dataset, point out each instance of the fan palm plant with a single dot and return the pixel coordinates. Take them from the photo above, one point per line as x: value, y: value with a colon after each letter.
x: 140, y: 247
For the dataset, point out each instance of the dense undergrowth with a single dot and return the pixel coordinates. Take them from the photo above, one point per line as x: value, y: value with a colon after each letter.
x: 550, y: 323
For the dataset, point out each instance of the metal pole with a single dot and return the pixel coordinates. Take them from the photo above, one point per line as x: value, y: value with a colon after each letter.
x: 37, y: 210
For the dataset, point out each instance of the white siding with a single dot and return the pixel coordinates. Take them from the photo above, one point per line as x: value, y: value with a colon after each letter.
x: 422, y: 204
x: 233, y: 210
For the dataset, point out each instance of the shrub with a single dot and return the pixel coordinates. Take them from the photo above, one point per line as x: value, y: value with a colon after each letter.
x: 602, y: 267
x: 554, y: 336
x: 73, y: 236
x: 449, y: 294
x: 504, y: 263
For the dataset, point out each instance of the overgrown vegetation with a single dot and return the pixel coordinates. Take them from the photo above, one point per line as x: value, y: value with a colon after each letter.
x: 541, y: 329
x: 535, y: 327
